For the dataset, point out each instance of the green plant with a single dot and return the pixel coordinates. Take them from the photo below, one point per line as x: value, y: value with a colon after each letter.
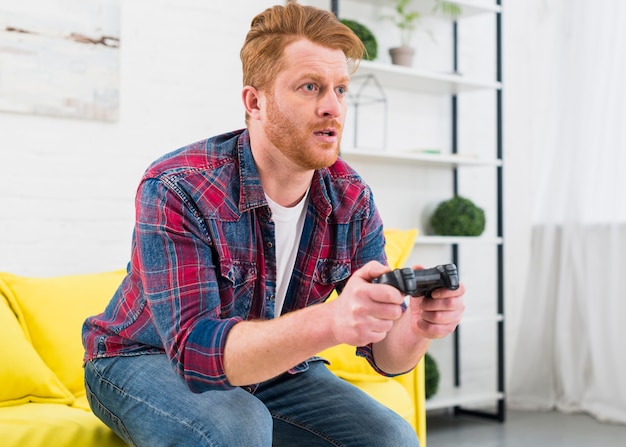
x: 458, y: 217
x: 431, y: 375
x: 366, y: 36
x: 447, y: 8
x: 405, y: 20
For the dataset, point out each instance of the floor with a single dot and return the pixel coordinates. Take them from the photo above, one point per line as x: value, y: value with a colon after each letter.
x: 523, y: 429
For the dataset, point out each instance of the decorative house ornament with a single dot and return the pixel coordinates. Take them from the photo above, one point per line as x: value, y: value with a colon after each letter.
x: 368, y: 99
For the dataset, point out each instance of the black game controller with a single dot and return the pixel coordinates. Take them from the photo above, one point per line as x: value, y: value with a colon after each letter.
x: 421, y: 282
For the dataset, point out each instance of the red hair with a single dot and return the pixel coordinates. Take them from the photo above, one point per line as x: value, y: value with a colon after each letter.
x: 276, y: 27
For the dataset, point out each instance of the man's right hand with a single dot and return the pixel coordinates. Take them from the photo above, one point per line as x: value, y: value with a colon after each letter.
x: 365, y: 312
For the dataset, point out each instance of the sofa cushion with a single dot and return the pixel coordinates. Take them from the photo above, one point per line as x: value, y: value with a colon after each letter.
x: 52, y: 312
x: 36, y: 424
x: 24, y: 377
x: 343, y: 360
x: 391, y: 394
x: 399, y: 246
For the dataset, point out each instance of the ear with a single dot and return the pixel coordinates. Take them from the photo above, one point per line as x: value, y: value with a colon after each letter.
x: 253, y: 101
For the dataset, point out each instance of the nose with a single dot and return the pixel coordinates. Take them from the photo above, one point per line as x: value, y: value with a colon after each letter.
x: 330, y: 105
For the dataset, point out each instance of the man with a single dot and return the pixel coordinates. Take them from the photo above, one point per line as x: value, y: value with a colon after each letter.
x: 239, y: 240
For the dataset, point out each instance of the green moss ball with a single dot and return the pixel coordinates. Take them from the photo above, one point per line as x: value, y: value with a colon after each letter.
x: 458, y: 217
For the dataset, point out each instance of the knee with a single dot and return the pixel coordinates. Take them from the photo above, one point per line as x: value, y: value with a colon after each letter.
x: 406, y: 436
x: 250, y: 425
x: 396, y: 433
x: 257, y: 424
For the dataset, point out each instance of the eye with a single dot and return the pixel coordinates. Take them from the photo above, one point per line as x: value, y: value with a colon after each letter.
x: 342, y: 91
x: 309, y: 87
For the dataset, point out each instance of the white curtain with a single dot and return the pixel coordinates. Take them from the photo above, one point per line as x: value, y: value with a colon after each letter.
x: 570, y: 352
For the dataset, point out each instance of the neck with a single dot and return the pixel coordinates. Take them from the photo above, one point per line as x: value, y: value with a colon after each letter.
x: 283, y: 181
x: 286, y: 191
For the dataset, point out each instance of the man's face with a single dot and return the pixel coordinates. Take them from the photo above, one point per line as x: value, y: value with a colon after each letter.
x: 306, y: 107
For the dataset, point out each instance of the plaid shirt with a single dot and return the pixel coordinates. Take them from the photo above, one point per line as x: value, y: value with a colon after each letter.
x: 203, y: 256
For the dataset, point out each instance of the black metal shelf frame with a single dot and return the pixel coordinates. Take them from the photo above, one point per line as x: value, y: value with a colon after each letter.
x: 500, y: 412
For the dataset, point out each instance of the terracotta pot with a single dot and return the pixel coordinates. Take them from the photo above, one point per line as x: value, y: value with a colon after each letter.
x: 402, y: 56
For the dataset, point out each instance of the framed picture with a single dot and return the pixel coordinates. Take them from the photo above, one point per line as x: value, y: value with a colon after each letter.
x: 60, y: 57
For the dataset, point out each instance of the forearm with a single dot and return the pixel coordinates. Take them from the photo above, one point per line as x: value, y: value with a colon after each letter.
x: 256, y: 351
x: 401, y: 350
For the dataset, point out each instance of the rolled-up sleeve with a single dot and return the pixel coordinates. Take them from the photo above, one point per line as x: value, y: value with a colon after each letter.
x: 180, y: 283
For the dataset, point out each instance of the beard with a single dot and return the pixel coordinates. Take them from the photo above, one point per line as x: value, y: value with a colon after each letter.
x: 295, y: 142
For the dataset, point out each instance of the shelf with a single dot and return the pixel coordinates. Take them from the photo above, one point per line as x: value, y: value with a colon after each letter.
x: 473, y: 8
x: 441, y: 160
x: 443, y: 240
x: 468, y: 8
x: 462, y: 396
x: 422, y: 81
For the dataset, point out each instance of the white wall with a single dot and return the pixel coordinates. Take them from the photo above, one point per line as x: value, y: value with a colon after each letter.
x: 67, y: 186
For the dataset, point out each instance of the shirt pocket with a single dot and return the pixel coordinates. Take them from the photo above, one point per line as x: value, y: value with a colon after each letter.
x: 237, y: 287
x: 332, y: 271
x: 329, y: 274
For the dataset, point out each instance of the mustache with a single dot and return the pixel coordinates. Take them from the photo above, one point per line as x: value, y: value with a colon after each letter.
x: 333, y: 123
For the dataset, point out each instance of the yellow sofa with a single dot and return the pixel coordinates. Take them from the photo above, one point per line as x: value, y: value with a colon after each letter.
x: 42, y: 396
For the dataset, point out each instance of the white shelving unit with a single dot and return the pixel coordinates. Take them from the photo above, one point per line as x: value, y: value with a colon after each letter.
x: 462, y: 396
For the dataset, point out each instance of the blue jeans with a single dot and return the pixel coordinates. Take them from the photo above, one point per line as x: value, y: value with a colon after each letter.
x: 142, y: 400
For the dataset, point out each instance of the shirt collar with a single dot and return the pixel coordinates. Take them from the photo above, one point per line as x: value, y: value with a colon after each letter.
x: 252, y: 194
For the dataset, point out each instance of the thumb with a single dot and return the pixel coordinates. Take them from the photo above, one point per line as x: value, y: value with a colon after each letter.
x: 371, y: 271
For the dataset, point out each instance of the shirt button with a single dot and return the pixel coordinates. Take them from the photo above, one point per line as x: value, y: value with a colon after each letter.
x: 270, y: 245
x: 271, y: 297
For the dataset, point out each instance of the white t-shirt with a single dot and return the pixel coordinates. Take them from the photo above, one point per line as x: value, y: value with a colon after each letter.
x: 288, y: 223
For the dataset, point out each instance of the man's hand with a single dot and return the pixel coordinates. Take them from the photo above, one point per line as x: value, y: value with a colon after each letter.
x: 424, y: 320
x: 438, y: 316
x: 365, y: 312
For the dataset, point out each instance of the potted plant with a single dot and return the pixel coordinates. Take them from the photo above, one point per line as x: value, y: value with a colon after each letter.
x: 406, y: 21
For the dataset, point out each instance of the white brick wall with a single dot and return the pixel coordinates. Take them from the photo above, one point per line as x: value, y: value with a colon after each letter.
x: 67, y: 186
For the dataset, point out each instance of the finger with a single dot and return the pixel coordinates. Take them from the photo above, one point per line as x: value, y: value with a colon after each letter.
x: 379, y: 325
x: 433, y: 330
x: 443, y: 292
x: 371, y: 271
x: 443, y: 304
x: 443, y: 317
x: 387, y: 311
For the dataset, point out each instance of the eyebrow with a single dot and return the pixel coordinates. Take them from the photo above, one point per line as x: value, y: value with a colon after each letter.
x: 318, y: 78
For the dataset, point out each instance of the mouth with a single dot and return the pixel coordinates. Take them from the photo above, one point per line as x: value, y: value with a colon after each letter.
x: 326, y: 133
